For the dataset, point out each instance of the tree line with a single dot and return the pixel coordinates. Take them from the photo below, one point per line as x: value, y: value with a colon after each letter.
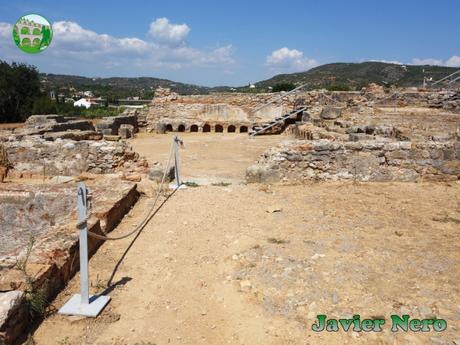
x: 21, y: 95
x: 19, y: 89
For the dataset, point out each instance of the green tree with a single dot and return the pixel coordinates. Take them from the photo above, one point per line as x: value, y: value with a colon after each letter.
x: 19, y: 88
x: 283, y: 87
x: 44, y: 105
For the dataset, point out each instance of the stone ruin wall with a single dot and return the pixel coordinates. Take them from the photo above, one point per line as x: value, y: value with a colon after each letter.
x: 328, y: 159
x: 234, y: 110
x: 334, y: 148
x: 338, y: 144
x: 52, y: 145
x: 219, y: 111
x: 36, y: 156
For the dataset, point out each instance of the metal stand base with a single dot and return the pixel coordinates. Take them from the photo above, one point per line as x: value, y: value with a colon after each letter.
x: 75, y: 307
x: 174, y: 186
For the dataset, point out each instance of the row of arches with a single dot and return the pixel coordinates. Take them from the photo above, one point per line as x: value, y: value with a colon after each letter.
x: 26, y: 42
x: 26, y: 31
x: 207, y: 128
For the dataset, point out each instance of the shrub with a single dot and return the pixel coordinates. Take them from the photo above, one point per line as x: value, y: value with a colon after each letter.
x: 283, y: 87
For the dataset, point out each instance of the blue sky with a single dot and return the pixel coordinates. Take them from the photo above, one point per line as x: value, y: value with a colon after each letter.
x: 233, y: 42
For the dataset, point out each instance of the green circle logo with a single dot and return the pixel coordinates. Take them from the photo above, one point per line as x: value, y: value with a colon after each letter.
x: 32, y: 33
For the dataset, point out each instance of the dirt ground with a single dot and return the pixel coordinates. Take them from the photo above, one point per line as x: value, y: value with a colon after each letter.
x: 416, y: 122
x: 208, y: 158
x: 255, y: 264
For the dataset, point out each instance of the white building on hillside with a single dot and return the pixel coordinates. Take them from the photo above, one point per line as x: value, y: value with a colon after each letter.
x: 82, y: 102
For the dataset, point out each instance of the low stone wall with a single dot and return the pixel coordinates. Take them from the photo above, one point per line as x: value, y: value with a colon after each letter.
x: 111, y: 125
x: 447, y: 100
x: 40, y: 124
x: 375, y: 160
x: 36, y: 156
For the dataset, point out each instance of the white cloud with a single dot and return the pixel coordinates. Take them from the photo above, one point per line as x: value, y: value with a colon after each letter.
x: 453, y: 61
x: 162, y: 30
x: 5, y: 30
x: 427, y: 61
x: 75, y: 49
x: 289, y: 60
x: 396, y: 62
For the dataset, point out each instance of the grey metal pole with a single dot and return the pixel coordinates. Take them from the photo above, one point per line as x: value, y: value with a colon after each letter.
x: 176, y: 160
x: 83, y: 304
x: 82, y: 209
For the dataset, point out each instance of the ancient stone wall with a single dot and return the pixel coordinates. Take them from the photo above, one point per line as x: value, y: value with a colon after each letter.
x: 376, y: 160
x: 40, y: 124
x: 111, y: 125
x: 171, y: 112
x: 36, y: 156
x: 214, y: 112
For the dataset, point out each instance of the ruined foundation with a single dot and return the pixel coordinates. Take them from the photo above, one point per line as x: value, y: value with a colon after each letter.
x: 42, y: 164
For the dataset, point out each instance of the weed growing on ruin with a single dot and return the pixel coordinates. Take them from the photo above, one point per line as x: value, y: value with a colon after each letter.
x: 276, y: 240
x: 221, y: 184
x: 99, y: 284
x: 64, y: 341
x: 36, y: 298
x: 191, y: 184
x: 4, y: 161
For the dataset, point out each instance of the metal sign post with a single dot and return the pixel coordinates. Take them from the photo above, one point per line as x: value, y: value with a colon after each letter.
x: 178, y: 185
x: 83, y: 304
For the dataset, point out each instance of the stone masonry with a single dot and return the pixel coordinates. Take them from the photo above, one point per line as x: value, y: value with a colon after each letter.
x: 375, y: 160
x: 36, y: 156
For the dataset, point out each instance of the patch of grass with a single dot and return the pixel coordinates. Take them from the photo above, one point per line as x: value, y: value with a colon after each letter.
x: 191, y: 184
x: 36, y: 297
x: 221, y: 184
x: 276, y: 240
x: 64, y: 341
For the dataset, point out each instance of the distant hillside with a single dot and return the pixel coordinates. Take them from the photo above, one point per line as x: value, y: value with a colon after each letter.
x: 340, y: 76
x: 356, y: 75
x: 116, y: 86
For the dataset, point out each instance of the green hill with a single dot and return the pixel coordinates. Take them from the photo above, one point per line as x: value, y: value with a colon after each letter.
x: 335, y: 76
x: 354, y: 76
x: 116, y: 87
